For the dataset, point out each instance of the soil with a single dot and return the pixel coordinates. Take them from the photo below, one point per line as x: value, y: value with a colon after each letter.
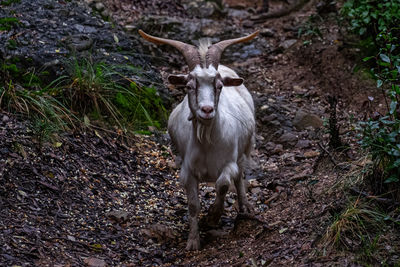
x: 100, y: 198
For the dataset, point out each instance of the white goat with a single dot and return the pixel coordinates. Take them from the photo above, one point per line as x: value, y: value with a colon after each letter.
x: 213, y: 128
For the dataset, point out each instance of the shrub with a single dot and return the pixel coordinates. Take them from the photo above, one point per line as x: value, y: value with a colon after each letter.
x: 90, y: 90
x: 377, y: 24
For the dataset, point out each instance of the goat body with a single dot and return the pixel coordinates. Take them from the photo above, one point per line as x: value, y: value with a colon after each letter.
x: 213, y: 128
x: 214, y: 153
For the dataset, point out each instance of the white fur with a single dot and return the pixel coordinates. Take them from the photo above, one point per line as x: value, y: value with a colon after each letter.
x: 217, y: 152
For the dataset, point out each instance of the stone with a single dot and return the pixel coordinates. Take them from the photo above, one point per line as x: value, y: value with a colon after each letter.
x: 304, y: 119
x: 255, y: 190
x: 288, y: 138
x: 270, y: 117
x: 267, y: 32
x: 5, y: 118
x: 270, y: 146
x: 94, y: 262
x: 278, y: 149
x: 287, y: 43
x: 311, y: 154
x: 303, y: 143
x: 243, y: 3
x: 99, y: 6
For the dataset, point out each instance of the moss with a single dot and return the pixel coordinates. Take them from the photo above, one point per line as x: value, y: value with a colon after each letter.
x: 45, y: 73
x: 31, y: 80
x: 8, y: 23
x: 12, y: 44
x: 12, y: 68
x: 9, y: 2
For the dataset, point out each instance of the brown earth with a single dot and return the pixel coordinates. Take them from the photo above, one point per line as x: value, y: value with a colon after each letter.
x: 99, y: 199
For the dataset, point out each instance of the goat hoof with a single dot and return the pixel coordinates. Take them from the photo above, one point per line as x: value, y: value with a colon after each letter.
x: 213, y: 216
x: 193, y: 244
x: 247, y: 209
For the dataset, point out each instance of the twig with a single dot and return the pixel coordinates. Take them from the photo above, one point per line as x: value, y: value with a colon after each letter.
x: 329, y: 154
x: 386, y: 201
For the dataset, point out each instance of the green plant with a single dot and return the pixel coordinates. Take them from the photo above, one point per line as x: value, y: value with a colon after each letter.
x: 310, y: 27
x: 377, y: 24
x: 9, y: 2
x: 357, y: 223
x: 102, y: 91
x: 8, y: 23
x: 38, y: 104
x: 370, y: 17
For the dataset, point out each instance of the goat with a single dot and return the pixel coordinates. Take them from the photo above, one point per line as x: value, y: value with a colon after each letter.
x: 213, y: 128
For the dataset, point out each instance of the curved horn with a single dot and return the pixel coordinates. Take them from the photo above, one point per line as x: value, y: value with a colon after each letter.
x: 215, y: 51
x: 190, y: 52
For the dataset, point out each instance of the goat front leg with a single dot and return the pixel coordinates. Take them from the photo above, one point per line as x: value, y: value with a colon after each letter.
x: 192, y: 191
x: 221, y: 186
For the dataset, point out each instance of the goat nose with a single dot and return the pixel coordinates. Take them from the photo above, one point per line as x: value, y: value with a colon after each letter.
x: 207, y: 109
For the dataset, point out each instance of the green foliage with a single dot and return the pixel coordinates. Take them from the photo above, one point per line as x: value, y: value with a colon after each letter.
x: 94, y: 90
x: 12, y: 44
x: 370, y: 17
x: 310, y: 27
x: 8, y: 23
x: 382, y: 138
x: 357, y: 222
x: 102, y: 91
x: 37, y: 104
x: 377, y: 24
x: 9, y: 2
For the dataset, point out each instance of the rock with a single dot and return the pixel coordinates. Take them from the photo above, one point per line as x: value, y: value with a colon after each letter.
x: 94, y: 262
x: 303, y: 120
x: 243, y: 3
x: 105, y: 13
x: 303, y: 143
x: 270, y: 146
x: 99, y: 6
x: 299, y: 90
x: 278, y: 149
x: 267, y: 32
x: 5, y: 118
x: 254, y: 183
x: 119, y: 216
x: 269, y: 118
x: 311, y: 154
x: 288, y: 138
x: 159, y: 232
x: 287, y: 43
x: 202, y: 9
x: 256, y: 190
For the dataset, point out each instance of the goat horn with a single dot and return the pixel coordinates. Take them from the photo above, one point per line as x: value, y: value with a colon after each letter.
x: 190, y: 52
x: 215, y: 51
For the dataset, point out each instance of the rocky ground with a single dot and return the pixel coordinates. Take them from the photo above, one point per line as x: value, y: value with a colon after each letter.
x: 99, y: 198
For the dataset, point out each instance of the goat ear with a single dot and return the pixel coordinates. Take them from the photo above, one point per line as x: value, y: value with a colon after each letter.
x: 228, y: 81
x: 179, y: 80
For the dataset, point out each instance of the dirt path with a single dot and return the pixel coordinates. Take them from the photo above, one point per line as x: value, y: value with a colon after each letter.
x: 103, y: 199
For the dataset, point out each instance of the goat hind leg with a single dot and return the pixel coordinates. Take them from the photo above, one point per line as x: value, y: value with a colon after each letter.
x: 244, y: 205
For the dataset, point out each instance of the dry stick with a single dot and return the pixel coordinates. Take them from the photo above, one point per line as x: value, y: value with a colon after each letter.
x: 378, y: 199
x: 329, y: 154
x: 280, y: 13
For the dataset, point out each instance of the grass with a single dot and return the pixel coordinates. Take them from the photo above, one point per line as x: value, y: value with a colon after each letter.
x: 90, y: 93
x: 8, y: 2
x: 38, y: 104
x: 104, y: 93
x: 8, y: 23
x: 356, y: 225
